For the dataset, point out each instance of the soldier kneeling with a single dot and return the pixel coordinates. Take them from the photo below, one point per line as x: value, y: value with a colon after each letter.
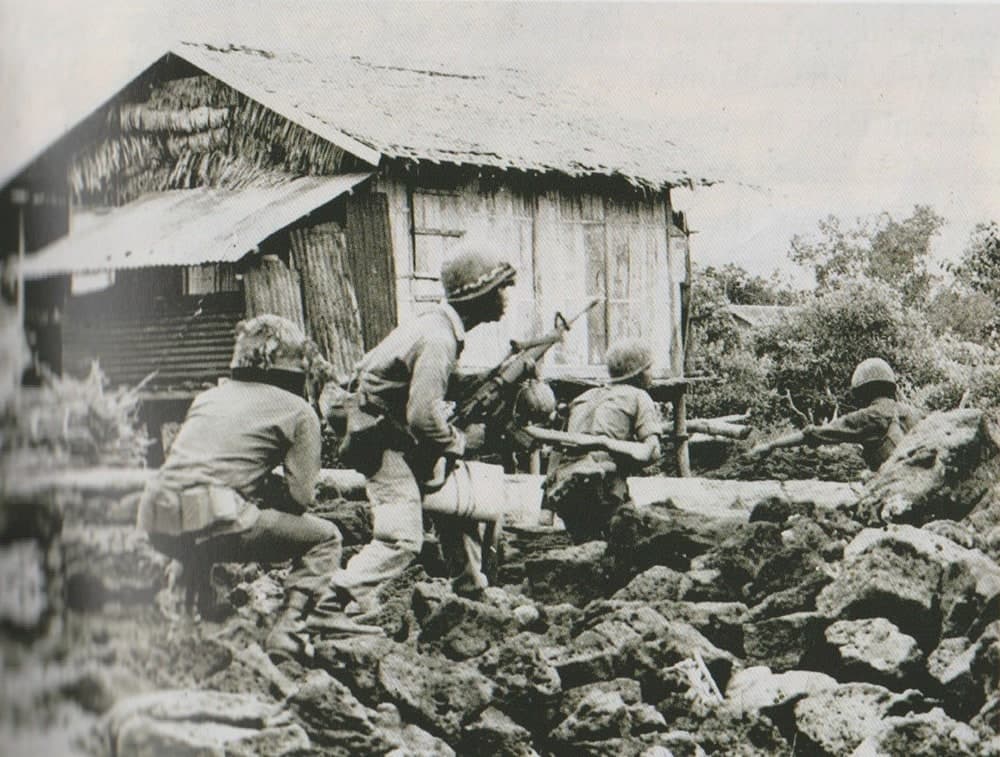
x: 210, y: 501
x: 586, y: 488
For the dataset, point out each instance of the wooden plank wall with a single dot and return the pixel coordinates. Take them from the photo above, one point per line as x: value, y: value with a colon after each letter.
x: 568, y: 245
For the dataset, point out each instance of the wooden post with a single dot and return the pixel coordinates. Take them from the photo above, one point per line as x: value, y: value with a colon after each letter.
x: 680, y: 434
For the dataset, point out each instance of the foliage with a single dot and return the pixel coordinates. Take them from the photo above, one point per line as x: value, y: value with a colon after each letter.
x: 968, y: 375
x: 739, y: 378
x: 814, y: 351
x: 965, y: 313
x: 76, y: 422
x: 881, y: 248
x: 742, y: 288
x: 980, y: 264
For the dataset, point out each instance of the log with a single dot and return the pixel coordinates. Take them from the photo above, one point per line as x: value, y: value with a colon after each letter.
x: 567, y: 440
x: 712, y: 427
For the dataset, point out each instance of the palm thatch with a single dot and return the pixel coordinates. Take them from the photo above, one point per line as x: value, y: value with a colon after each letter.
x: 189, y: 132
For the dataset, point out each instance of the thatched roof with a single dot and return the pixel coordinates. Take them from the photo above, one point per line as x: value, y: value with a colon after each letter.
x: 500, y: 118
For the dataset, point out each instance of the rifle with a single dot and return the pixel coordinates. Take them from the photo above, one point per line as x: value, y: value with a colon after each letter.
x: 583, y: 442
x: 487, y: 399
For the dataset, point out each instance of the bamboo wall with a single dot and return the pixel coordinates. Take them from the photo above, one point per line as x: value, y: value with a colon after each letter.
x: 271, y: 286
x: 330, y: 306
x: 568, y: 245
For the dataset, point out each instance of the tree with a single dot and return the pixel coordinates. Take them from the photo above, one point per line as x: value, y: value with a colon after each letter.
x: 979, y: 267
x: 883, y: 248
x: 743, y: 288
x: 814, y: 351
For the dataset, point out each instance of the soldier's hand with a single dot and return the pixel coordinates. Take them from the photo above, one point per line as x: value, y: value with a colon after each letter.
x: 475, y: 436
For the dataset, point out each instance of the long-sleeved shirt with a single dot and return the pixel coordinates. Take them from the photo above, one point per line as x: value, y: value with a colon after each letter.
x: 877, y: 428
x: 236, y: 433
x: 409, y: 370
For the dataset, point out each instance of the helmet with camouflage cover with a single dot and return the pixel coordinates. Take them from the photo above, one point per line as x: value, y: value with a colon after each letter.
x: 872, y: 370
x: 628, y: 358
x: 474, y: 270
x: 269, y: 342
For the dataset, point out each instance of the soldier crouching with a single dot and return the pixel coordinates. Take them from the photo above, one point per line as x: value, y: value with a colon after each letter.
x: 202, y: 505
x: 586, y: 488
x: 400, y: 435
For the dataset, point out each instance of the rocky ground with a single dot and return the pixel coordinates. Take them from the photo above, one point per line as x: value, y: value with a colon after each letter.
x: 794, y: 628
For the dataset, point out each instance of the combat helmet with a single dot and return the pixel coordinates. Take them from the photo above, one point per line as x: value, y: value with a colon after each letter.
x: 628, y: 358
x: 474, y: 270
x: 870, y: 371
x: 269, y: 342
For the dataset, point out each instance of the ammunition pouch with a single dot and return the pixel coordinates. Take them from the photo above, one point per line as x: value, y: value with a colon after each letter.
x: 192, y: 510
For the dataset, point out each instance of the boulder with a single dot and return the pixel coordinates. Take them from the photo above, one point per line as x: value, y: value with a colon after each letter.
x: 627, y: 688
x: 461, y: 628
x: 758, y: 689
x: 653, y: 585
x: 334, y: 717
x: 527, y: 684
x: 873, y: 650
x: 929, y: 734
x: 110, y: 564
x: 898, y: 570
x: 834, y: 721
x: 968, y: 673
x: 941, y: 469
x: 495, y: 733
x: 443, y: 695
x: 739, y: 557
x: 784, y: 642
x: 600, y: 715
x: 898, y: 584
x: 572, y: 574
x: 657, y: 535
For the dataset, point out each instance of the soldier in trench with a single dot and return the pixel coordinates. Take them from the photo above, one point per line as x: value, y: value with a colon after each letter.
x: 399, y: 435
x: 585, y: 488
x: 213, y: 500
x: 878, y: 426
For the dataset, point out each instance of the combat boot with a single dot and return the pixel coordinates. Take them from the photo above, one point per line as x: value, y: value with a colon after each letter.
x: 288, y: 636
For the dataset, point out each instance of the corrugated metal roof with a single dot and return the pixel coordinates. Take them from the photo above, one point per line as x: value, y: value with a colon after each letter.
x: 185, y: 226
x: 498, y: 118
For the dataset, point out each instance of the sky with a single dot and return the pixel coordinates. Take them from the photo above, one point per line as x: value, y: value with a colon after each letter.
x: 802, y: 110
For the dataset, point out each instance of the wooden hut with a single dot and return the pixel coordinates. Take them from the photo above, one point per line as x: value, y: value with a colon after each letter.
x: 224, y: 182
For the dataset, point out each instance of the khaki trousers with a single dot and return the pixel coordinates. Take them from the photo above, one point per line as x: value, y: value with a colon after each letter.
x: 398, y: 532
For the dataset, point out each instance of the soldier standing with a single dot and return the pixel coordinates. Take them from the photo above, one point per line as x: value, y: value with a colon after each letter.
x: 878, y: 426
x: 202, y: 505
x: 585, y: 488
x: 401, y: 386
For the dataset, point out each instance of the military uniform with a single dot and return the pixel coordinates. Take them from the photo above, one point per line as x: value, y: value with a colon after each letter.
x: 877, y: 428
x: 585, y: 489
x: 406, y: 377
x: 203, y: 501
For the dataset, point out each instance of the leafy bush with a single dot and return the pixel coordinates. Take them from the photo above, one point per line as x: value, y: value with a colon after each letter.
x: 815, y: 350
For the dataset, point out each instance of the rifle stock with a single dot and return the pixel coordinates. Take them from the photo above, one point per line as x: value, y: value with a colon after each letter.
x: 566, y: 440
